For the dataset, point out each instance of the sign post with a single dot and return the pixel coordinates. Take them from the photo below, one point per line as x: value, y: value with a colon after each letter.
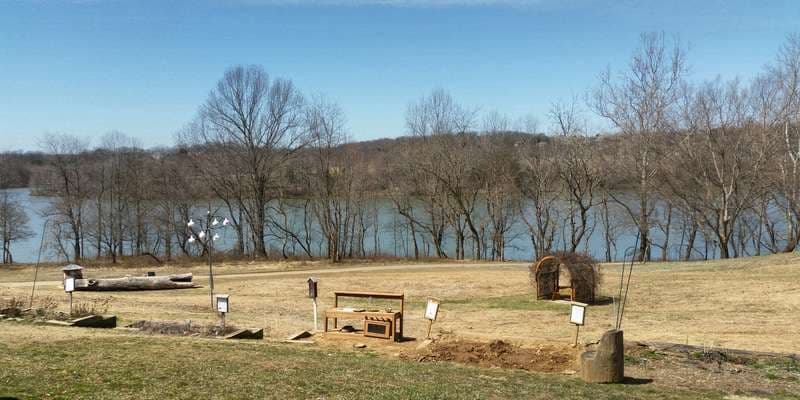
x: 312, y: 293
x: 223, y: 307
x: 577, y: 316
x: 431, y: 312
x: 69, y: 287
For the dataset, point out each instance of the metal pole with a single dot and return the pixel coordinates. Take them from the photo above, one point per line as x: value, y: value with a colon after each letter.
x: 210, y: 277
x: 627, y: 286
x: 209, y: 245
x: 618, y: 315
x: 315, y: 315
x: 38, y: 260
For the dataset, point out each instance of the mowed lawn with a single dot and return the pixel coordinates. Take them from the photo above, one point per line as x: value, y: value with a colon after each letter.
x: 748, y: 303
x: 40, y: 362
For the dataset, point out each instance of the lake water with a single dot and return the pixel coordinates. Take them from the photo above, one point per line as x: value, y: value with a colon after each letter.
x: 393, y: 238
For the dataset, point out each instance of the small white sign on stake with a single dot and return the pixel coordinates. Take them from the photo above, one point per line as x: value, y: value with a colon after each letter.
x: 577, y: 314
x: 223, y: 307
x: 223, y: 304
x: 431, y: 312
x: 69, y: 285
x: 432, y: 309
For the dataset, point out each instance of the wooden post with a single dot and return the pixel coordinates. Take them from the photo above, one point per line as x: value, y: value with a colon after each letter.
x: 335, y: 305
x: 430, y: 324
x: 577, y: 330
x: 402, y: 314
x: 70, y: 304
x: 223, y: 323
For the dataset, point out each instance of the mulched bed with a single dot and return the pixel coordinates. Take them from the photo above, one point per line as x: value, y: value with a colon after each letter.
x: 186, y: 328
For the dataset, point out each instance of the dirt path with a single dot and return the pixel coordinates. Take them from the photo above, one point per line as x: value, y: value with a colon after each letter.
x: 317, y: 271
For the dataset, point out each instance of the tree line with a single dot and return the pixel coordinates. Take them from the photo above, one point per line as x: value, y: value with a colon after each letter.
x: 682, y: 162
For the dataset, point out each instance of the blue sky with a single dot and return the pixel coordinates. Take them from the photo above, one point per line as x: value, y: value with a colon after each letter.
x: 143, y: 67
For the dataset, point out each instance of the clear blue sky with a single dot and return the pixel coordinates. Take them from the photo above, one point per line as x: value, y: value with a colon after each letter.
x: 143, y: 67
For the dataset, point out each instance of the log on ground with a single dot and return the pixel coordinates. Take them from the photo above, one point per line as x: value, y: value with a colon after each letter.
x: 181, y: 281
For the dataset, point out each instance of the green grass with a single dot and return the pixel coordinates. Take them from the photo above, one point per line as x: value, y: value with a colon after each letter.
x: 523, y: 302
x: 775, y: 369
x: 128, y: 366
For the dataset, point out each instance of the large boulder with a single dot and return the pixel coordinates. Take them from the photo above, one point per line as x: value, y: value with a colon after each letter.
x: 96, y: 321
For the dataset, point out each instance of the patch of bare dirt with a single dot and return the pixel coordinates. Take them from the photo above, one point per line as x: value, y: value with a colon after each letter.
x: 498, y: 354
x: 735, y: 372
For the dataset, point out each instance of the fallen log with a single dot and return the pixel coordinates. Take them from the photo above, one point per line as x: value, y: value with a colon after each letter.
x: 180, y: 281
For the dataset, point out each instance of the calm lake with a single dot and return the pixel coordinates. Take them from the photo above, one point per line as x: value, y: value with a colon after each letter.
x: 392, y: 237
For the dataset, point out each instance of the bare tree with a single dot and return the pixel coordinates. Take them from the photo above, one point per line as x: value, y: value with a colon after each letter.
x: 498, y: 164
x: 538, y: 184
x: 66, y: 181
x: 257, y: 123
x: 640, y: 103
x: 778, y: 110
x: 445, y: 149
x: 577, y: 169
x: 13, y: 224
x: 716, y: 170
x: 330, y: 175
x: 419, y: 198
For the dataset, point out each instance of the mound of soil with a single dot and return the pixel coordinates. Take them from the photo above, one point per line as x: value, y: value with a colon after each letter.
x: 499, y: 354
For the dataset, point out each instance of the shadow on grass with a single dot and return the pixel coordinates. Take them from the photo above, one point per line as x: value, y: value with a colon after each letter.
x: 522, y: 302
x: 636, y: 381
x: 602, y: 301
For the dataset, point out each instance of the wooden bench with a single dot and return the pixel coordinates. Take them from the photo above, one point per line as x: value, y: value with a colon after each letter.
x: 396, y: 318
x: 557, y: 294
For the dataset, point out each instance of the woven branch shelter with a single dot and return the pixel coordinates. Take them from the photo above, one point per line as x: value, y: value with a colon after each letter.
x: 573, y: 271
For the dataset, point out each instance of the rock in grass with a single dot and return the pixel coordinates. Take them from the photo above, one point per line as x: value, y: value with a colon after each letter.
x: 299, y: 335
x: 96, y: 321
x: 255, y: 334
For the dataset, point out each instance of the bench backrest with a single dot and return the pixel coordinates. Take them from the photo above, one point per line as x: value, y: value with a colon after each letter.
x: 379, y: 295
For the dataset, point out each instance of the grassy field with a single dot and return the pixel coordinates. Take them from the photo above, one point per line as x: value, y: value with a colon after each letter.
x: 746, y: 304
x: 63, y: 363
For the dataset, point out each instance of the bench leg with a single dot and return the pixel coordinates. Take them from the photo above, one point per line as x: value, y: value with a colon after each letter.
x: 398, y: 336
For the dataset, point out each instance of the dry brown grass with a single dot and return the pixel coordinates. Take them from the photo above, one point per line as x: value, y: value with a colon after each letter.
x: 748, y: 303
